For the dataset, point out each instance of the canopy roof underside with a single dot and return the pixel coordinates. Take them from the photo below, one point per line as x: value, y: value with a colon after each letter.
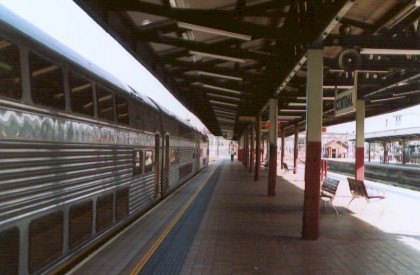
x: 224, y: 59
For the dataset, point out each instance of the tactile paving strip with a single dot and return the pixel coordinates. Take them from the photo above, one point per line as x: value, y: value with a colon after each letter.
x: 171, y: 254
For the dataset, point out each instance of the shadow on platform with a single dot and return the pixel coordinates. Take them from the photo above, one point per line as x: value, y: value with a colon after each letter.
x: 246, y: 232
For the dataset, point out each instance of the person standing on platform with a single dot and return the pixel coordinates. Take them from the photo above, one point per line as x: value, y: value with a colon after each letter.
x: 232, y: 154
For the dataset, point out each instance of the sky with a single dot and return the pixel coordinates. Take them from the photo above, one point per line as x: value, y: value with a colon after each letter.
x: 70, y: 25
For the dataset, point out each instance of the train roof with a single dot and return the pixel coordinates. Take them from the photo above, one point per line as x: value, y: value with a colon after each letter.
x: 29, y: 30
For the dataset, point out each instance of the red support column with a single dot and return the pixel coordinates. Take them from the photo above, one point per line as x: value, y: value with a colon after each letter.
x: 385, y: 152
x: 258, y: 153
x: 242, y: 148
x: 282, y: 150
x: 314, y: 92
x: 272, y: 168
x: 360, y: 139
x: 252, y: 153
x: 246, y: 149
x: 403, y: 156
x: 262, y: 149
x: 296, y: 150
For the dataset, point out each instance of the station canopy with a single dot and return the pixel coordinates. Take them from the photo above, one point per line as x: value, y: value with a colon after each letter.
x: 224, y: 59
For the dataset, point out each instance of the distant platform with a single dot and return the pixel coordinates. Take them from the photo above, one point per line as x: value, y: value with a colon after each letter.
x: 405, y: 175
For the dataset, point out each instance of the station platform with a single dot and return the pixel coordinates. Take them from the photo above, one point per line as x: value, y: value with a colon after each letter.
x: 223, y: 222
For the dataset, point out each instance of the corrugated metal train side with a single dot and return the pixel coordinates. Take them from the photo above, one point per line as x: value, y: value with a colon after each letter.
x: 71, y: 177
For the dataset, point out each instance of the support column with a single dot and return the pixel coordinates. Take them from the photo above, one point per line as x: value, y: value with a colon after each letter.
x: 252, y: 153
x: 240, y: 146
x: 403, y: 157
x: 262, y: 148
x: 314, y: 92
x: 258, y: 151
x: 272, y: 167
x: 369, y: 152
x: 360, y: 136
x: 385, y: 152
x: 296, y: 150
x: 282, y: 150
x: 246, y: 149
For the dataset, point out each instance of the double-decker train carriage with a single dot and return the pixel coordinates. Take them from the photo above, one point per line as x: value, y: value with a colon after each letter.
x: 81, y: 154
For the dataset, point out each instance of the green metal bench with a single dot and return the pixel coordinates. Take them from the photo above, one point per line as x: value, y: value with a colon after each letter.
x: 359, y: 190
x: 328, y: 189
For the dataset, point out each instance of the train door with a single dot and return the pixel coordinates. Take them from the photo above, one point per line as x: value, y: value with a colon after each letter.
x: 165, y: 182
x: 198, y: 155
x: 157, y: 161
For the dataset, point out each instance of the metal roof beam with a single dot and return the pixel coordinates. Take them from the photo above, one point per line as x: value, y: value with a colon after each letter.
x: 218, y: 19
x: 183, y: 66
x: 161, y: 27
x: 331, y: 18
x: 209, y: 48
x: 372, y: 41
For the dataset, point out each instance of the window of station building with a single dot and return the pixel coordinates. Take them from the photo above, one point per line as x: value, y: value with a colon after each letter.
x: 47, y: 82
x: 148, y: 161
x: 138, y: 162
x: 122, y: 110
x: 81, y: 94
x: 10, y: 70
x: 104, y: 99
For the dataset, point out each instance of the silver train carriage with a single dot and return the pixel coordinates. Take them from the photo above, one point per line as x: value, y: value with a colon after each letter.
x: 81, y: 154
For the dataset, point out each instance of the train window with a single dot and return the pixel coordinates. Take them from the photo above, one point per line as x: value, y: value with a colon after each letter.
x: 122, y: 110
x: 80, y: 227
x: 148, y: 161
x: 105, y: 101
x: 47, y: 82
x: 174, y: 156
x: 10, y: 70
x: 121, y: 204
x: 138, y: 162
x: 9, y: 252
x: 81, y: 94
x: 104, y: 212
x: 45, y: 240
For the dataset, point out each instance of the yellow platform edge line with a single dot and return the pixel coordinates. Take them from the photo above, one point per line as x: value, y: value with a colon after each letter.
x: 168, y: 229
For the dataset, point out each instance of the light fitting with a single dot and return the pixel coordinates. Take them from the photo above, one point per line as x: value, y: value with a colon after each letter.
x: 390, y: 51
x: 223, y: 103
x: 387, y: 99
x: 219, y: 75
x: 217, y: 56
x: 214, y: 31
x: 221, y: 89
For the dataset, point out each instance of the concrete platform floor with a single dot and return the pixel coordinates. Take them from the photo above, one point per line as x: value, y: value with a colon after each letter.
x: 243, y: 231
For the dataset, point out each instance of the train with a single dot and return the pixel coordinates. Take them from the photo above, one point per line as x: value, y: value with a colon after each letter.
x: 81, y: 153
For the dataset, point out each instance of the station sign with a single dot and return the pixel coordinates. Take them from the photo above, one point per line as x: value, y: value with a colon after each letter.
x: 247, y: 118
x: 265, y: 127
x: 345, y: 102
